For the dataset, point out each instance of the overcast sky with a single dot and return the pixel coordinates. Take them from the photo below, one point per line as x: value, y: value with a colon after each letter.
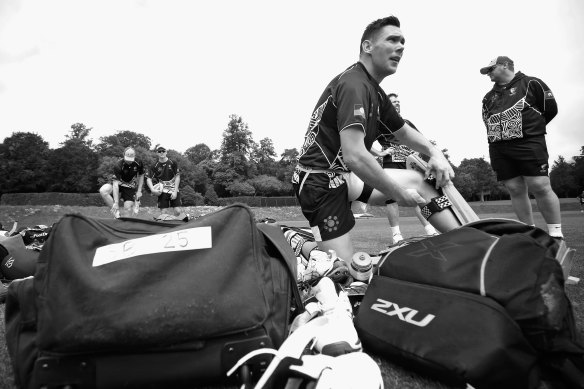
x: 175, y: 70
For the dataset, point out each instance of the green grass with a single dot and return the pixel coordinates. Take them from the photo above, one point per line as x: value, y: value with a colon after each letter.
x: 370, y: 235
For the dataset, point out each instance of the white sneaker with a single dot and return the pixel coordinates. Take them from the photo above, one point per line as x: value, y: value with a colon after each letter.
x: 397, y: 237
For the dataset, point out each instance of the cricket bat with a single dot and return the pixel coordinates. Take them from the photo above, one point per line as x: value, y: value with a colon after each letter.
x: 462, y: 210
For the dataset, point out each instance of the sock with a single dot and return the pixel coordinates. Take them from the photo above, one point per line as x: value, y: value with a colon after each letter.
x: 430, y: 230
x: 395, y: 230
x: 555, y: 230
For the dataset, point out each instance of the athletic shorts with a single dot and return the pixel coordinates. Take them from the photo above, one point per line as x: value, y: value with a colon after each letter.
x: 164, y: 201
x: 519, y: 157
x: 394, y: 165
x: 327, y: 210
x: 127, y: 194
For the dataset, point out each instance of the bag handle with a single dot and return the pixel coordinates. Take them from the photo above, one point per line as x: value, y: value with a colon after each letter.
x: 276, y: 237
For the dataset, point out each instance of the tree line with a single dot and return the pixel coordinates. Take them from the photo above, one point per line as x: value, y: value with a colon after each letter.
x: 240, y: 167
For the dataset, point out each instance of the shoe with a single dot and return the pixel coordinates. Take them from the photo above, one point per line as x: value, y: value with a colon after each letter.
x: 339, y: 336
x: 397, y: 237
x: 321, y: 264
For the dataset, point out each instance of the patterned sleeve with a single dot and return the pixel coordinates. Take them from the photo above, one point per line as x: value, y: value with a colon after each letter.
x: 353, y: 103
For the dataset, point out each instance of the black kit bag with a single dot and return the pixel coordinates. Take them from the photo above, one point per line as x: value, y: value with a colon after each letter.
x: 515, y: 265
x: 136, y: 303
x: 456, y: 337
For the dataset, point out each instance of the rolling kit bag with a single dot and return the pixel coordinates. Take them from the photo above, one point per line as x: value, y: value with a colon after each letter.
x: 135, y: 303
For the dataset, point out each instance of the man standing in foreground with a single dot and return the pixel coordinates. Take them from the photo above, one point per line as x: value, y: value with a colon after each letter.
x: 335, y: 165
x: 166, y: 174
x: 394, y: 157
x: 516, y: 112
x: 126, y: 185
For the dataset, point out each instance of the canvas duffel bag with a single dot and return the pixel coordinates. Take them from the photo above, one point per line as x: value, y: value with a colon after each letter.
x: 120, y: 295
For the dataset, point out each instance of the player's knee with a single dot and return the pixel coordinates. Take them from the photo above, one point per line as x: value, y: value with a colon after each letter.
x: 105, y: 190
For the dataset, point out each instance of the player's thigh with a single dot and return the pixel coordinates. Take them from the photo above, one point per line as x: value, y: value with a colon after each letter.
x: 342, y: 245
x: 405, y: 178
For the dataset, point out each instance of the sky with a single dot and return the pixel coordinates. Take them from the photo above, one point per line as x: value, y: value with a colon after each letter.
x: 174, y: 70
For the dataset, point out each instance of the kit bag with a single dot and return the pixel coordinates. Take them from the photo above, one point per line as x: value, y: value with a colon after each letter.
x: 515, y: 265
x: 452, y: 336
x: 138, y: 303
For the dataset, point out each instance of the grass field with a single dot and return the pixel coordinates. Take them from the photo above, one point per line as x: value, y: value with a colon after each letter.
x: 370, y: 235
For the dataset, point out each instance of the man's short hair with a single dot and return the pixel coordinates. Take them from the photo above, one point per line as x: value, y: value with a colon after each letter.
x: 375, y: 26
x: 392, y: 95
x: 129, y: 148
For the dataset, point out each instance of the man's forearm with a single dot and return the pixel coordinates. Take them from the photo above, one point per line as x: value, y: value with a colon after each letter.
x: 365, y: 166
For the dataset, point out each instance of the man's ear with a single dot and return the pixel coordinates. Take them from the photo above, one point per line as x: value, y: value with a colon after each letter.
x: 366, y: 46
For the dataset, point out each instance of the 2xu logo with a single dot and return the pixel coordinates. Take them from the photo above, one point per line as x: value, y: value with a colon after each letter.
x: 404, y: 314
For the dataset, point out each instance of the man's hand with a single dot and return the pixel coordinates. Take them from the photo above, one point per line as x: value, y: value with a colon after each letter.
x: 138, y: 195
x: 173, y: 195
x: 439, y: 166
x: 409, y: 198
x: 115, y: 208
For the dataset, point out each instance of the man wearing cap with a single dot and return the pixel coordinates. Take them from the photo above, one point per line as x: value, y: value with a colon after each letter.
x: 163, y: 180
x: 516, y: 112
x: 126, y: 185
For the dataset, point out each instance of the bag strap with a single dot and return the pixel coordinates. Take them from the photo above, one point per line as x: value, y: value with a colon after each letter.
x: 274, y: 234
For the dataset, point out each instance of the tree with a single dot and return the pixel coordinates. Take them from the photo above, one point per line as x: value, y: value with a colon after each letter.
x: 189, y: 197
x: 114, y: 145
x: 79, y: 133
x: 237, y: 145
x: 475, y: 176
x: 211, y: 197
x: 74, y: 165
x: 23, y: 163
x: 264, y: 156
x: 266, y: 185
x: 198, y: 153
x: 240, y: 188
x: 562, y: 178
x: 287, y: 164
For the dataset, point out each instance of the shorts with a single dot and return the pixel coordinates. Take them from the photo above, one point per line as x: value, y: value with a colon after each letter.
x: 327, y: 210
x: 520, y: 157
x: 127, y: 194
x: 164, y: 201
x: 394, y: 165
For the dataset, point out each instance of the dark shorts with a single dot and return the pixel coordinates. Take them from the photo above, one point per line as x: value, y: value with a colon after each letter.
x: 327, y: 209
x: 394, y: 165
x: 520, y: 157
x: 164, y: 201
x: 127, y: 194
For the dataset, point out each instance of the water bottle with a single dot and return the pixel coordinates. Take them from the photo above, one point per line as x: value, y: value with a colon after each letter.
x: 361, y: 266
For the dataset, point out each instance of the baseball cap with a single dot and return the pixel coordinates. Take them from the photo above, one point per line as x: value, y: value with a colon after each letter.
x: 160, y: 148
x: 497, y: 60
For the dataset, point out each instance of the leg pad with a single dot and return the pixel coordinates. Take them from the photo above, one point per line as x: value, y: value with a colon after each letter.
x: 437, y: 204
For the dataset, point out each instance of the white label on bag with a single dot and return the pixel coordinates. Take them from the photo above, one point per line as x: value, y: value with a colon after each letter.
x: 183, y: 240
